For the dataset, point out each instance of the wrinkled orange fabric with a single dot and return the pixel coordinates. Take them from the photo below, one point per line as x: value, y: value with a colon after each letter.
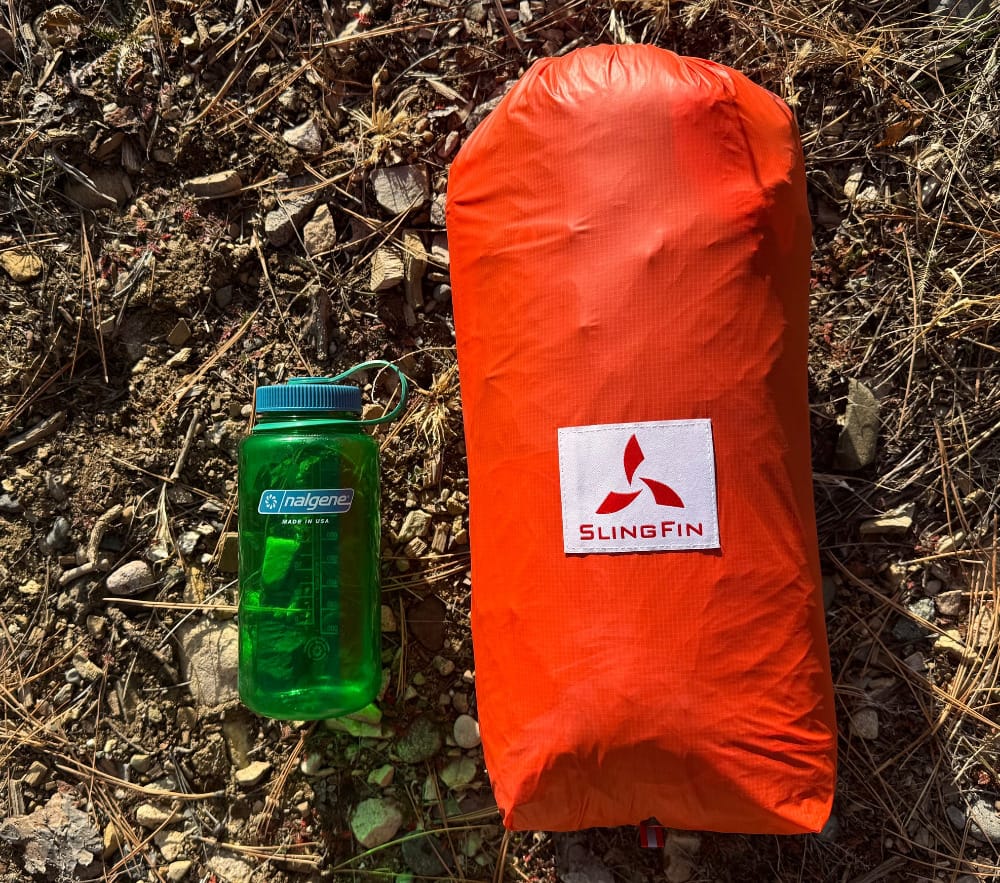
x: 630, y: 242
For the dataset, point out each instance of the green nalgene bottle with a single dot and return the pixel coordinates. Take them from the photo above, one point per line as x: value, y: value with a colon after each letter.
x: 309, y: 624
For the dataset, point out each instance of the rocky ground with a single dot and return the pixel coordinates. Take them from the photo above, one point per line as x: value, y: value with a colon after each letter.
x: 200, y: 197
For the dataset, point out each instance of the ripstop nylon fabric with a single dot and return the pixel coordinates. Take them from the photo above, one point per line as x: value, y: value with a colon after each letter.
x: 630, y: 243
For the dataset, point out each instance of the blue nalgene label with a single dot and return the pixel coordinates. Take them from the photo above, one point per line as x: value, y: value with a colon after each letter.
x: 331, y: 501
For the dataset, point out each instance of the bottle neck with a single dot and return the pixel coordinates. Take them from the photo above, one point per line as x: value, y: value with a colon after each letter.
x: 285, y: 421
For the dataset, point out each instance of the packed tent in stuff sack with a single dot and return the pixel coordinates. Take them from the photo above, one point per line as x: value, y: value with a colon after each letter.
x: 629, y: 243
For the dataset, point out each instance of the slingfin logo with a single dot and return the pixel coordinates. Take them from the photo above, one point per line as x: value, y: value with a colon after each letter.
x: 667, y: 501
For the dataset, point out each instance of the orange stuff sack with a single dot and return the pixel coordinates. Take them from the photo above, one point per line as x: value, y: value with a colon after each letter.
x: 630, y: 246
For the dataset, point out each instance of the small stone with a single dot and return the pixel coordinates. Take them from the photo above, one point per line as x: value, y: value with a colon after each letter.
x: 111, y: 189
x: 9, y: 505
x: 36, y: 775
x: 421, y: 742
x: 21, y: 265
x: 864, y: 723
x: 319, y: 234
x: 401, y: 188
x: 172, y: 844
x: 387, y: 269
x: 416, y: 524
x: 906, y: 629
x: 459, y: 772
x: 253, y: 774
x: 437, y: 210
x: 311, y: 763
x: 933, y: 587
x: 232, y: 869
x: 210, y: 662
x: 187, y: 542
x: 859, y: 436
x: 383, y: 776
x: 59, y: 535
x: 307, y: 137
x: 423, y: 856
x: 229, y: 556
x: 442, y: 666
x: 679, y: 854
x: 950, y: 543
x: 150, y: 816
x: 140, y: 762
x: 466, y: 731
x: 217, y: 185
x: 895, y: 523
x: 177, y: 871
x: 224, y: 296
x: 985, y: 820
x: 388, y: 619
x: 88, y: 671
x: 440, y: 256
x: 281, y: 223
x: 950, y: 603
x: 476, y: 12
x: 130, y: 579
x: 425, y: 620
x: 375, y: 822
x: 30, y: 588
x: 952, y: 644
x: 956, y: 816
x: 180, y: 333
x: 113, y: 840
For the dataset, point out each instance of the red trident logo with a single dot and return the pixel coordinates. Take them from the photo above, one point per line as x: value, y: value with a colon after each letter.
x: 662, y: 494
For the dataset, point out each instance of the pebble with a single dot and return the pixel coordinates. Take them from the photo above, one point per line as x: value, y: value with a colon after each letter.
x: 224, y: 296
x: 59, y: 535
x: 859, y: 435
x: 217, y: 185
x: 112, y: 190
x: 383, y: 776
x: 30, y: 588
x: 113, y: 839
x: 950, y: 603
x: 466, y: 731
x: 895, y: 523
x: 906, y: 629
x: 985, y: 820
x: 231, y: 869
x: 375, y: 821
x: 130, y: 579
x: 388, y: 619
x: 150, y: 816
x: 187, y: 542
x: 307, y: 137
x: 423, y: 856
x: 229, y: 556
x: 177, y: 871
x: 140, y: 762
x: 21, y: 265
x: 281, y: 223
x: 420, y: 742
x: 319, y: 234
x: 950, y: 543
x: 864, y: 723
x: 459, y: 772
x: 933, y: 587
x: 311, y: 763
x: 36, y: 775
x: 209, y: 660
x: 253, y: 774
x: 442, y: 666
x: 416, y: 524
x: 87, y: 669
x: 180, y: 333
x: 10, y: 505
x: 951, y: 643
x: 401, y: 188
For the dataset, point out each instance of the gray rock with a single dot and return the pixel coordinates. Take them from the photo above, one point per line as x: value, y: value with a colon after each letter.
x: 231, y: 869
x: 111, y: 189
x: 58, y: 537
x: 476, y: 12
x: 217, y: 185
x: 307, y: 138
x: 466, y: 731
x: 150, y: 816
x: 859, y: 436
x: 9, y: 505
x: 210, y: 662
x: 401, y: 188
x: 177, y: 871
x: 416, y: 524
x: 985, y: 820
x: 864, y: 723
x: 421, y: 742
x: 130, y: 579
x: 187, y: 542
x: 375, y: 822
x: 281, y: 223
x: 438, y: 210
x: 950, y: 603
x: 383, y: 776
x: 458, y: 772
x: 831, y: 830
x: 320, y: 235
x: 55, y: 838
x: 906, y: 629
x: 425, y: 856
x: 253, y: 774
x: 957, y: 817
x: 141, y: 762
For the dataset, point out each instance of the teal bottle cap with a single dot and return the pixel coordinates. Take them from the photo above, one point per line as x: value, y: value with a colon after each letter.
x: 308, y: 394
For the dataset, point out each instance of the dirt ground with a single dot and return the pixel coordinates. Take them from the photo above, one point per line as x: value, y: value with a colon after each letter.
x: 200, y: 198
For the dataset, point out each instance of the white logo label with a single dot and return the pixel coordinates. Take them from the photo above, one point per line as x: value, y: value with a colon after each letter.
x: 638, y: 487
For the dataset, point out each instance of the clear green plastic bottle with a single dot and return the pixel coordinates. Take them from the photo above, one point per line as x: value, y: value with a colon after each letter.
x: 309, y: 624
